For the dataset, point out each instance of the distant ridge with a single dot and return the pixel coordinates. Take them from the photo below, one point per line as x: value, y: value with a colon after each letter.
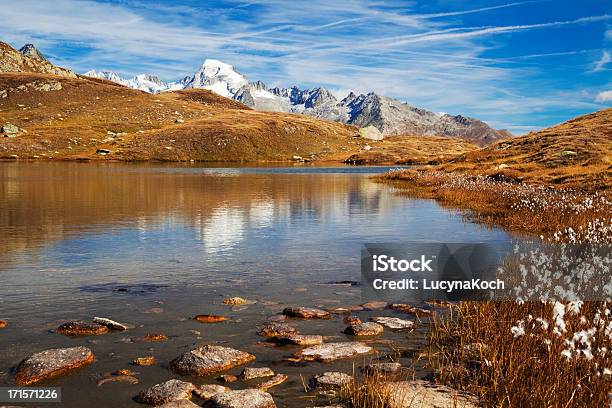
x: 29, y: 59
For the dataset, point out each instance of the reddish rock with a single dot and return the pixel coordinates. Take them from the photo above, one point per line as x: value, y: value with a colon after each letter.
x: 82, y: 329
x: 276, y: 329
x: 209, y: 359
x: 364, y: 329
x: 156, y: 337
x: 249, y: 398
x: 352, y: 320
x: 204, y: 318
x: 3, y: 324
x: 272, y: 382
x: 207, y: 391
x: 171, y: 390
x: 144, y: 361
x: 51, y: 363
x: 307, y: 313
x: 250, y: 373
x: 227, y: 378
x: 374, y: 305
x: 330, y: 380
x: 301, y: 339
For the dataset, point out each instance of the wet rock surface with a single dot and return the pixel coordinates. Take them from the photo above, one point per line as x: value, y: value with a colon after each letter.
x: 130, y: 379
x: 249, y: 398
x: 207, y: 391
x: 272, y: 382
x: 236, y: 301
x: 393, y: 322
x: 300, y: 339
x: 250, y: 373
x: 409, y: 309
x: 374, y: 305
x: 111, y: 324
x: 51, y: 363
x: 206, y: 318
x: 334, y: 351
x: 406, y: 394
x: 78, y: 328
x: 144, y: 361
x: 227, y: 378
x: 179, y: 404
x: 330, y: 380
x: 306, y: 313
x: 364, y: 329
x: 277, y: 329
x: 3, y: 324
x: 209, y: 359
x: 171, y: 390
x: 382, y: 368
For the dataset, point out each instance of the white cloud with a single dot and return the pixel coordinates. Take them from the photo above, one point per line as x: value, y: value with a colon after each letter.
x: 601, y: 64
x: 604, y: 97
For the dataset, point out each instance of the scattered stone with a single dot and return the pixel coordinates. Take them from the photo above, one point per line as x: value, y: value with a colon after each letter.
x: 409, y: 309
x: 51, y: 363
x: 209, y: 359
x: 334, y: 351
x: 370, y: 132
x: 393, y: 322
x: 249, y: 398
x: 374, y: 305
x: 82, y: 329
x: 301, y: 339
x: 207, y: 391
x: 272, y: 382
x: 236, y: 301
x: 103, y: 152
x: 111, y: 324
x: 306, y: 313
x: 3, y: 324
x: 183, y: 403
x: 171, y: 390
x: 10, y: 129
x: 330, y: 380
x: 352, y: 320
x: 382, y: 368
x: 563, y: 153
x: 144, y: 361
x: 179, y: 120
x: 204, y: 318
x: 250, y: 373
x: 227, y: 378
x: 405, y: 394
x: 275, y: 329
x: 130, y: 379
x: 156, y: 337
x: 124, y: 371
x: 364, y: 329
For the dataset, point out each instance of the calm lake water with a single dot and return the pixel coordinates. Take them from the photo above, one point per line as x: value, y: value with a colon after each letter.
x: 154, y: 245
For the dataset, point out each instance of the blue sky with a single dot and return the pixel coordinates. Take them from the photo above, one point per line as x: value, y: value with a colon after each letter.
x: 519, y: 65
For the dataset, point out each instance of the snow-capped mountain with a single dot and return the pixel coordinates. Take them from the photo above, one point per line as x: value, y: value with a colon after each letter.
x: 389, y: 115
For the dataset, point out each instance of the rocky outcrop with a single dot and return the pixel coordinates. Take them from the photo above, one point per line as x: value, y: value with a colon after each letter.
x: 78, y: 328
x: 171, y: 390
x: 30, y: 60
x: 330, y: 380
x: 51, y: 363
x: 334, y: 351
x: 209, y: 359
x: 249, y: 398
x: 306, y: 313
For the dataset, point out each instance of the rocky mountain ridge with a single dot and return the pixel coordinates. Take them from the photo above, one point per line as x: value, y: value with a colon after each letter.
x: 29, y: 59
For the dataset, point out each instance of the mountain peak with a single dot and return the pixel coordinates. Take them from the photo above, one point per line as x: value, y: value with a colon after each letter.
x: 31, y: 51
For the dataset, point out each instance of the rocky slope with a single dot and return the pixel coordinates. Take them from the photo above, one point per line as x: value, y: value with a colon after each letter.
x: 390, y: 116
x: 28, y: 59
x: 577, y: 153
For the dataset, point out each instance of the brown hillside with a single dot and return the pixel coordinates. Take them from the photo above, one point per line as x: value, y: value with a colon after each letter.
x: 74, y: 118
x: 12, y: 60
x: 575, y: 153
x: 412, y: 150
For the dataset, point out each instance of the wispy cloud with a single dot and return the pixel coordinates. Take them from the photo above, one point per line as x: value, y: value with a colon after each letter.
x: 604, y: 97
x: 605, y: 59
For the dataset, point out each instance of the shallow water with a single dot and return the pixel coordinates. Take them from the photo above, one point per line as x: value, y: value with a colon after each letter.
x: 154, y: 245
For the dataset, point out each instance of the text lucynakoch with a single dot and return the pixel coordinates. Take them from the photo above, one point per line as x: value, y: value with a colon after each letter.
x: 445, y: 285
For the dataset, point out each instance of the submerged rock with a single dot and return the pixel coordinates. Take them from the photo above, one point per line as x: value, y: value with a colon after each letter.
x: 301, y: 339
x: 209, y: 359
x: 277, y: 329
x: 227, y: 378
x: 382, y: 368
x: 207, y: 391
x: 171, y: 390
x: 130, y: 379
x: 364, y: 329
x: 406, y: 394
x: 406, y: 308
x: 3, y: 324
x: 144, y: 361
x: 307, y: 313
x: 374, y: 305
x: 272, y: 382
x: 82, y: 329
x: 393, y: 322
x: 111, y: 324
x: 250, y: 373
x: 330, y: 380
x: 51, y: 363
x: 249, y: 398
x: 155, y: 337
x: 236, y: 301
x: 334, y: 351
